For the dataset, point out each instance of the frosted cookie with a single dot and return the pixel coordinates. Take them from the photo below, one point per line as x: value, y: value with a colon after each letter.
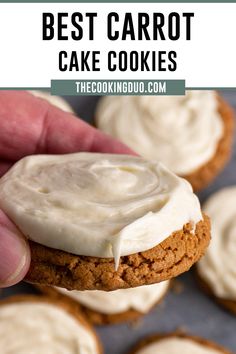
x: 102, y: 221
x: 35, y: 324
x: 57, y: 101
x: 101, y: 307
x: 217, y: 269
x: 176, y: 343
x: 191, y: 134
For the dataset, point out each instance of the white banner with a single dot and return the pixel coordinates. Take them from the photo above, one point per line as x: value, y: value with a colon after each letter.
x: 206, y: 59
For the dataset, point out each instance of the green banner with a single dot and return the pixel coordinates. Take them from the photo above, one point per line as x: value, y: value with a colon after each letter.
x: 117, y: 87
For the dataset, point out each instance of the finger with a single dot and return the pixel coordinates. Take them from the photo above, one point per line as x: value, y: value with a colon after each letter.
x: 31, y: 125
x: 71, y: 135
x: 14, y: 253
x: 4, y: 167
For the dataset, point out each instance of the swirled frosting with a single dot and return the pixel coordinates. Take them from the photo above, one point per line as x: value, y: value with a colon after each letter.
x: 141, y: 299
x: 97, y: 204
x: 175, y: 345
x: 218, y: 266
x: 183, y: 132
x: 36, y: 328
x: 57, y: 101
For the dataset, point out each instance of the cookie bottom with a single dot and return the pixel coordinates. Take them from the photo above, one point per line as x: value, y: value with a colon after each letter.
x: 200, y: 178
x: 173, y: 256
x: 95, y: 317
x: 157, y: 337
x: 228, y: 304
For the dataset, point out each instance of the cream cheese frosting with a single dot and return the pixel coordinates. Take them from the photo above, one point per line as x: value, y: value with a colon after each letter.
x: 57, y: 101
x: 36, y: 328
x: 101, y: 205
x: 218, y: 267
x: 141, y: 299
x: 183, y: 132
x: 175, y: 345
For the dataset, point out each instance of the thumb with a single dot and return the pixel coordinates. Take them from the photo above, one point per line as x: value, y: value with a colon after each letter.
x: 14, y: 253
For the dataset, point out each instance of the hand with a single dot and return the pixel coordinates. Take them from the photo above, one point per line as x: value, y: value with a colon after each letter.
x: 30, y: 125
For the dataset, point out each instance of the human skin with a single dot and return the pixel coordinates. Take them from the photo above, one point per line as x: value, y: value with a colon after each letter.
x: 30, y: 125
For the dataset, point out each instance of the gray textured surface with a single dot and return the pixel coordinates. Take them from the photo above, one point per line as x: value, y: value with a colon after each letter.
x: 190, y: 309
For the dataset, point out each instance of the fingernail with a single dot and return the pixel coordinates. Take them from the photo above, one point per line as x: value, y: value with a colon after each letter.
x: 14, y: 257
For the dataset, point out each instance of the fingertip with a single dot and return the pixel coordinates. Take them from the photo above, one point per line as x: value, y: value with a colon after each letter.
x: 104, y: 143
x: 18, y: 272
x: 14, y: 253
x: 120, y: 148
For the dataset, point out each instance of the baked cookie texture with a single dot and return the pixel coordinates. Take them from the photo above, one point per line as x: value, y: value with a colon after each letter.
x: 67, y: 307
x: 158, y: 337
x: 95, y: 317
x: 173, y: 256
x: 204, y: 175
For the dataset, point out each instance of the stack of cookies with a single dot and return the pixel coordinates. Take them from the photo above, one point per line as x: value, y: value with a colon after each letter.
x: 108, y: 232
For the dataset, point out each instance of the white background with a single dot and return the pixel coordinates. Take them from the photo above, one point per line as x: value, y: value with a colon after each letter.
x: 208, y: 60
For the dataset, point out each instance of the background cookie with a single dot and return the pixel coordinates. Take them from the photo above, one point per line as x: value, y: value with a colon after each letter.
x: 228, y: 304
x: 216, y: 271
x: 109, y: 307
x: 184, y: 341
x: 35, y: 323
x: 157, y: 139
x: 203, y: 176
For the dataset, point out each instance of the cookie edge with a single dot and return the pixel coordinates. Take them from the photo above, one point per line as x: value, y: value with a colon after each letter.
x: 157, y: 337
x: 227, y: 304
